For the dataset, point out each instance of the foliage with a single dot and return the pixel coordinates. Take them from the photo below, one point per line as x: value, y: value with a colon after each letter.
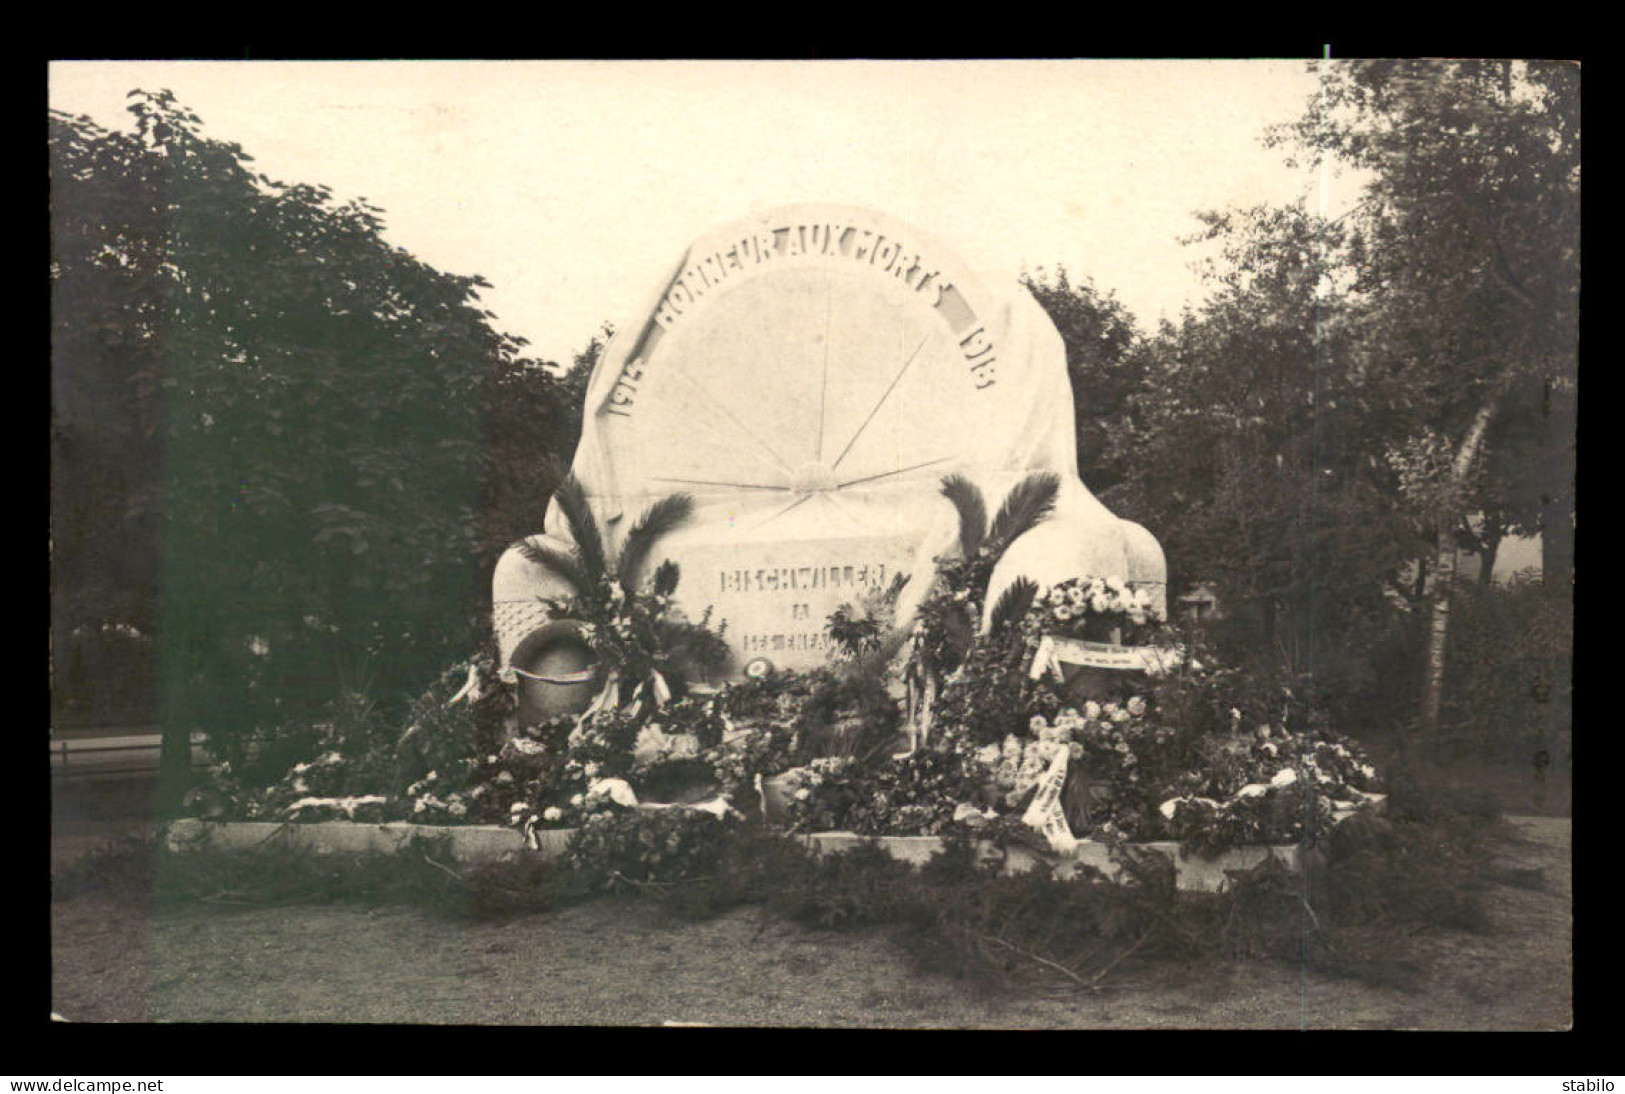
x: 951, y: 615
x: 848, y: 713
x: 859, y: 630
x: 1295, y: 437
x: 918, y: 794
x: 269, y: 415
x: 1463, y: 259
x: 991, y: 692
x: 1510, y: 686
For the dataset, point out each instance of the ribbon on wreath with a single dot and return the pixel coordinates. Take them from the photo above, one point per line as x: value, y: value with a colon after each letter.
x: 1045, y: 813
x: 606, y: 697
x: 470, y: 689
x: 656, y: 688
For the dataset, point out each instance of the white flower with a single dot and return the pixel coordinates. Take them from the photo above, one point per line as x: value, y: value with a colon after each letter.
x: 591, y: 769
x: 1036, y: 724
x: 1120, y: 716
x: 576, y: 800
x: 1368, y: 771
x: 1136, y: 706
x: 618, y: 791
x: 1285, y: 777
x: 1091, y: 710
x: 803, y: 794
x: 516, y: 807
x: 457, y: 809
x: 551, y: 813
x: 1168, y: 807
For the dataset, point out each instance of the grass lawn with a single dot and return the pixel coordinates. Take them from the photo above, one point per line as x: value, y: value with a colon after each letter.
x: 616, y: 962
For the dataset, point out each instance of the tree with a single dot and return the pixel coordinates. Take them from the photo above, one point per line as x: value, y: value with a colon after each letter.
x: 1253, y: 453
x: 306, y: 410
x: 1103, y: 364
x: 1464, y: 253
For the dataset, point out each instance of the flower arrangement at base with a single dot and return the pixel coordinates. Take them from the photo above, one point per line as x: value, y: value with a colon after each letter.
x: 615, y: 845
x: 1097, y: 609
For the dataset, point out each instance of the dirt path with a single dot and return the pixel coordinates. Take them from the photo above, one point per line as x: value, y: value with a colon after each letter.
x: 613, y: 963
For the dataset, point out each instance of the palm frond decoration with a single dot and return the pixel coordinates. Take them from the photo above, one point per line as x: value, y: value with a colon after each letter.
x: 967, y: 499
x: 661, y: 517
x: 563, y: 563
x: 665, y: 578
x: 1027, y: 503
x: 572, y: 499
x: 1013, y: 604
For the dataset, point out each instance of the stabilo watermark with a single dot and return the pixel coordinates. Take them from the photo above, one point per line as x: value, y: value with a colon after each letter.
x: 1589, y: 1084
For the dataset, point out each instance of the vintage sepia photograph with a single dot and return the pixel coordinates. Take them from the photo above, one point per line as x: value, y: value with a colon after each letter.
x: 1056, y: 545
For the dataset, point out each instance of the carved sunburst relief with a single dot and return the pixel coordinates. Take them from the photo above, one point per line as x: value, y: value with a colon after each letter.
x: 804, y: 400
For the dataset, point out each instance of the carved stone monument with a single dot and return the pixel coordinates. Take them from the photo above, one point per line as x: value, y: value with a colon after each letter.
x: 809, y: 375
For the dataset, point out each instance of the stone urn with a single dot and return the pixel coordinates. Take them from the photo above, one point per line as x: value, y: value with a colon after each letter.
x: 557, y: 672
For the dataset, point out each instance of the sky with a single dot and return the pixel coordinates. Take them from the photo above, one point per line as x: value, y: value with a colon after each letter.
x: 573, y: 186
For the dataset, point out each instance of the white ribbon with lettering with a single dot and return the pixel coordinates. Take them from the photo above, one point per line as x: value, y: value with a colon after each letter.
x: 1045, y: 812
x: 1054, y: 651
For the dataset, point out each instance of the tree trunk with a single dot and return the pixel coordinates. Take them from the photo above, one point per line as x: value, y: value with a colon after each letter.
x: 1486, y: 563
x: 1557, y: 543
x: 1557, y: 506
x: 1444, y: 575
x: 1444, y: 569
x: 174, y: 717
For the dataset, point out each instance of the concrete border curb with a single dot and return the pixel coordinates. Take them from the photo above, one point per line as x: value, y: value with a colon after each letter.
x: 469, y: 844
